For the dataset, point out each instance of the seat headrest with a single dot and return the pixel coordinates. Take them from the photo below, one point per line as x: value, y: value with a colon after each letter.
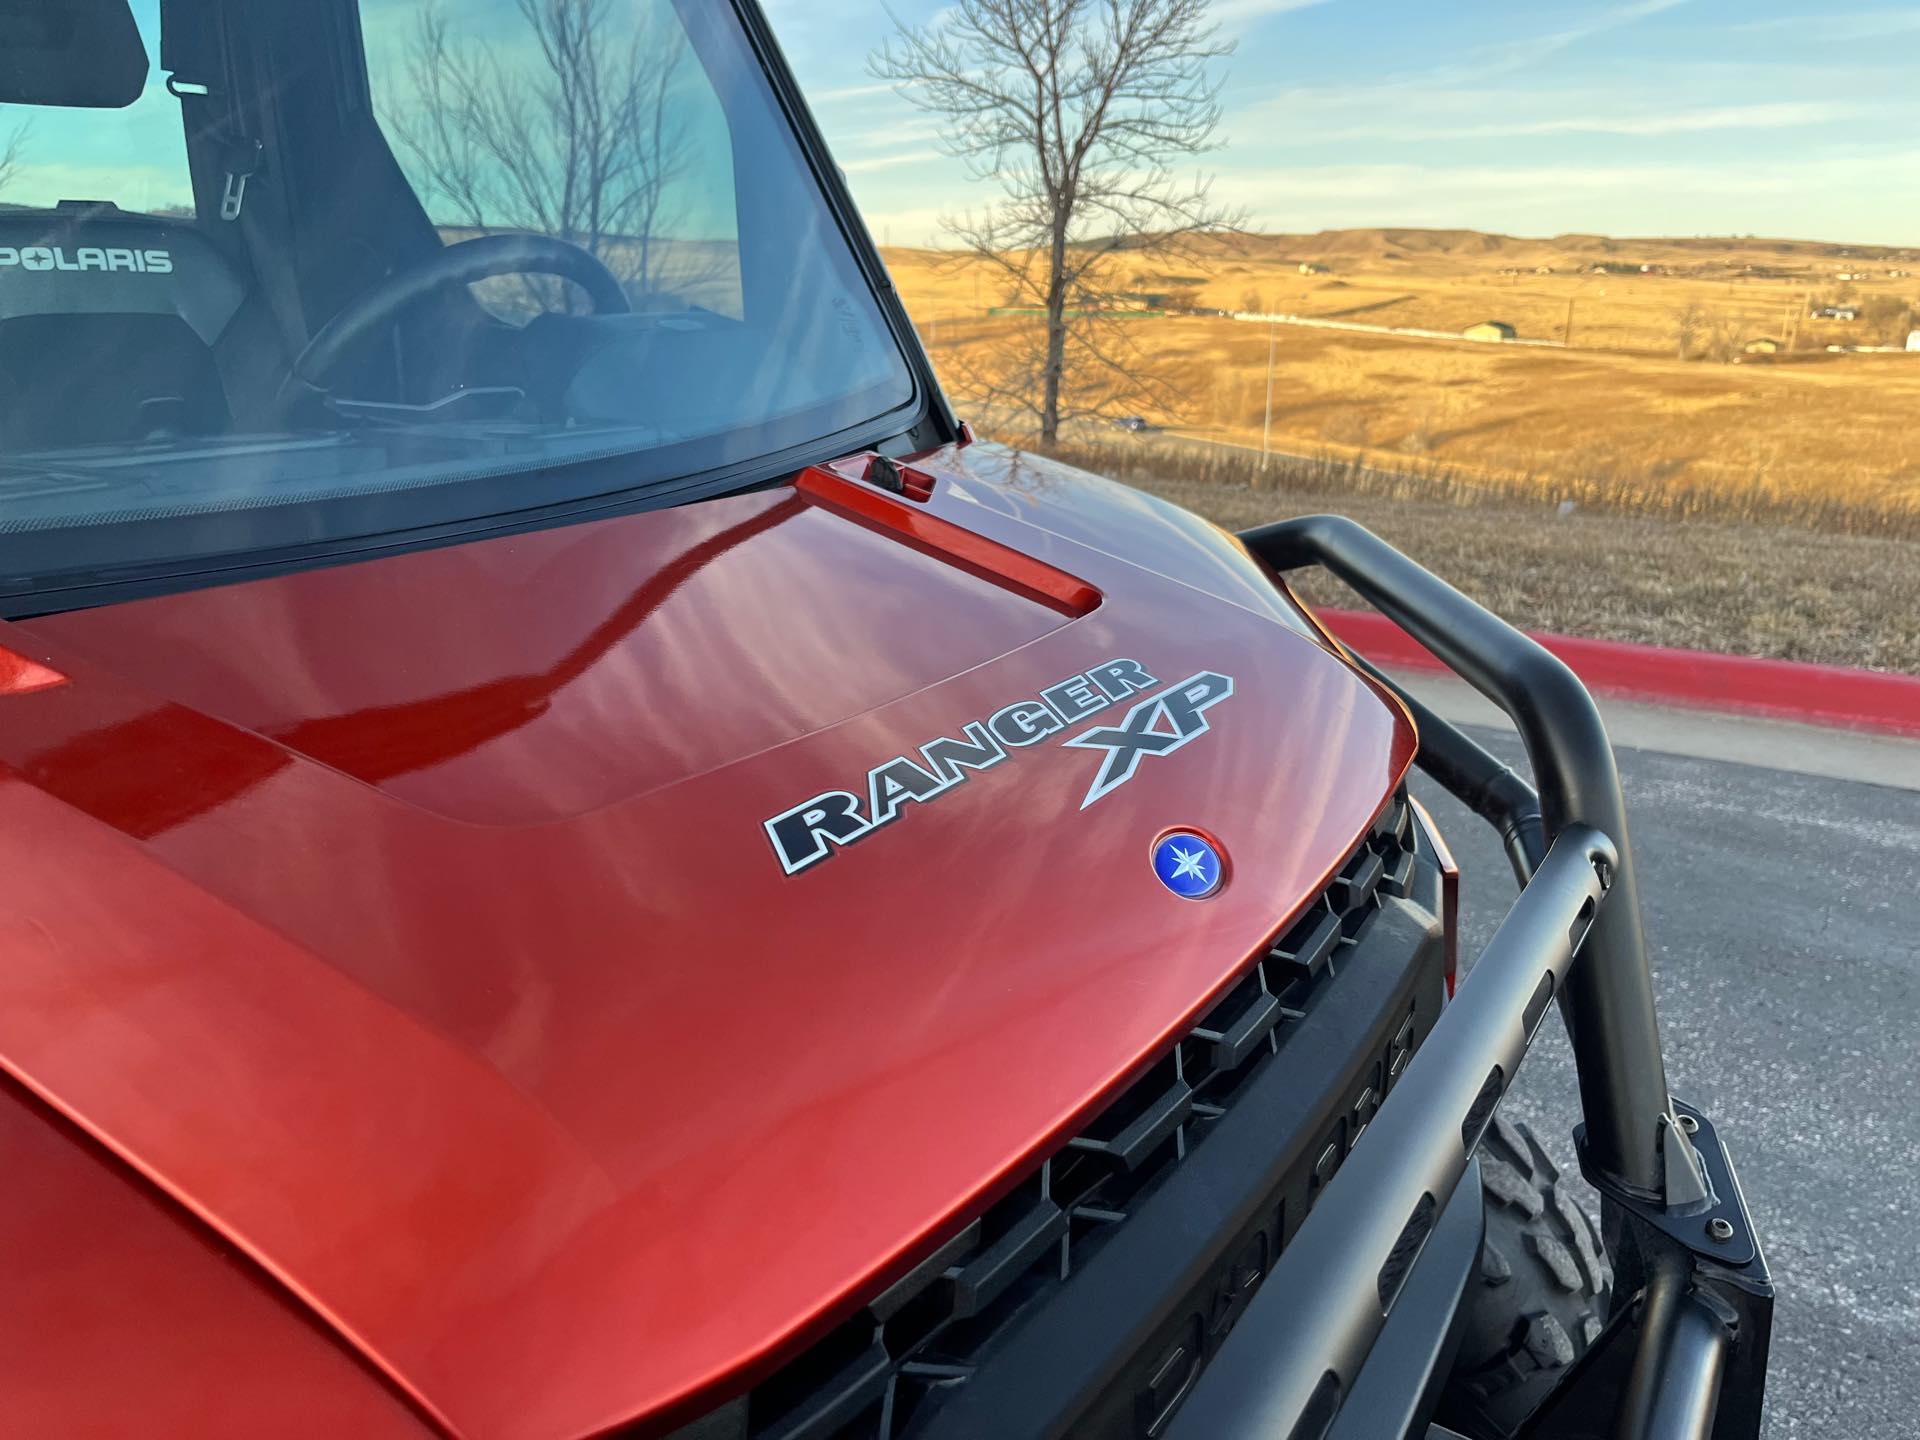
x: 89, y: 261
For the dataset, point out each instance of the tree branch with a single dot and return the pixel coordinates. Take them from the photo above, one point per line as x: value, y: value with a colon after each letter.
x: 1079, y: 111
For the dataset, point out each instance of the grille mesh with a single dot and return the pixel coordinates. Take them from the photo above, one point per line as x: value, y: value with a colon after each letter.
x: 866, y: 1380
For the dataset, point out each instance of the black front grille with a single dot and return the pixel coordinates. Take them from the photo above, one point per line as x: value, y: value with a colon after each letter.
x: 927, y: 1334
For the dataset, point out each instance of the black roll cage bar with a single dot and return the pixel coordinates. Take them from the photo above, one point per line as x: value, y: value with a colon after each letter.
x: 1684, y: 1352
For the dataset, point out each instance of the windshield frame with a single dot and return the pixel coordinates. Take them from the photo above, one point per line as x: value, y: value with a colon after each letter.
x: 401, y: 520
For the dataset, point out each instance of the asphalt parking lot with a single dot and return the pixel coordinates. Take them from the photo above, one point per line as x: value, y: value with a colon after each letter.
x: 1783, y: 916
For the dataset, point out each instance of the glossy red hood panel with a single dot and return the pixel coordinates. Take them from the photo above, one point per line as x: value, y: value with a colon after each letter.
x: 118, y: 1320
x: 532, y: 679
x: 414, y: 921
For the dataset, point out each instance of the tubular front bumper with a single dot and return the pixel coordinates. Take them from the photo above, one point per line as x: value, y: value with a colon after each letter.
x: 1685, y: 1351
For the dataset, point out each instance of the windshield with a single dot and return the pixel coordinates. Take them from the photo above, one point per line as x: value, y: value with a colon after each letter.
x: 286, y: 275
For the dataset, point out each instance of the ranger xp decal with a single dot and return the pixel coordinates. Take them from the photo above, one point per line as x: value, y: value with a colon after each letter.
x: 1156, y: 725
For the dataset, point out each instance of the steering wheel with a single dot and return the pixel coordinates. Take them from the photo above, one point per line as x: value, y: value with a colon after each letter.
x: 462, y: 264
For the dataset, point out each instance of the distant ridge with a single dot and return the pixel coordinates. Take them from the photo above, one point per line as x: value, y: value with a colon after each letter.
x: 1470, y: 251
x: 1472, y: 247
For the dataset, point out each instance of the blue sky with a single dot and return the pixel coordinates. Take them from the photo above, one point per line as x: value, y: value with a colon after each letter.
x: 1643, y: 117
x: 1533, y: 117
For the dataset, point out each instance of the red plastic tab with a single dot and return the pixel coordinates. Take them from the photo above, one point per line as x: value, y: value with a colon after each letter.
x: 21, y: 676
x: 833, y: 488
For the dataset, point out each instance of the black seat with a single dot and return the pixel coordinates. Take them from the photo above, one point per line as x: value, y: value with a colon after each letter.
x: 108, y: 327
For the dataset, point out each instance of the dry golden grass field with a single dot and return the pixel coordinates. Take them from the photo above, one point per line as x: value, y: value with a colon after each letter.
x: 1804, y: 434
x: 1742, y: 588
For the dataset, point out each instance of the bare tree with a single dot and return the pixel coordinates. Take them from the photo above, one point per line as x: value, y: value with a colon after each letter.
x: 1887, y: 319
x: 569, y: 131
x: 1723, y: 338
x: 13, y: 152
x: 1079, y: 110
x: 1688, y: 330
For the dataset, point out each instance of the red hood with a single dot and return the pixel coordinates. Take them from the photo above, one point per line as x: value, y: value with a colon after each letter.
x: 414, y: 921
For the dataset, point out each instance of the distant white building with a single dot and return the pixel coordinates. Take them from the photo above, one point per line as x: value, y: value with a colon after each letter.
x: 1913, y: 340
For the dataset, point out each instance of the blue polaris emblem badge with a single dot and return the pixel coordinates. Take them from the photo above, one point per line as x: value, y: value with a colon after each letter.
x: 1188, y: 865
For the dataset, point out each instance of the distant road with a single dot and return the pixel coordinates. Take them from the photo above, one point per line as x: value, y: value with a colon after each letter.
x: 1254, y: 317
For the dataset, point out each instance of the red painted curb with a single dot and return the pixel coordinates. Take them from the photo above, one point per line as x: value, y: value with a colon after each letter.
x: 1815, y: 694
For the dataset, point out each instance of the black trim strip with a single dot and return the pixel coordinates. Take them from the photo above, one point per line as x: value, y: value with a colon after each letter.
x: 1072, y: 1366
x: 1331, y: 1293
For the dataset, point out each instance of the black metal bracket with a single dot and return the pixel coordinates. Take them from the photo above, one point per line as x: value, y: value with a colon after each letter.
x: 1479, y: 781
x: 1305, y: 1336
x: 1685, y: 1354
x: 1608, y: 1002
x: 1707, y: 1326
x: 1718, y: 1227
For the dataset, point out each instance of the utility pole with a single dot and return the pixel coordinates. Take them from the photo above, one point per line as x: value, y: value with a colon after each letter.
x: 1566, y: 330
x: 1266, y: 426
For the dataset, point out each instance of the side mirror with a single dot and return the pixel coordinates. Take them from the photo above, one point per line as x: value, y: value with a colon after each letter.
x: 78, y: 54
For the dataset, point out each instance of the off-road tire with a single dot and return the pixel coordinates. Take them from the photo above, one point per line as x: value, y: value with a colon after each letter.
x: 1539, y: 1297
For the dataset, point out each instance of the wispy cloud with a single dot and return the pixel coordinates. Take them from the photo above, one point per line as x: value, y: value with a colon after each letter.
x: 1460, y: 80
x: 1238, y: 14
x: 1769, y: 116
x: 1845, y: 28
x: 1628, y: 121
x: 912, y: 129
x: 1525, y: 52
x: 840, y: 93
x: 869, y: 163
